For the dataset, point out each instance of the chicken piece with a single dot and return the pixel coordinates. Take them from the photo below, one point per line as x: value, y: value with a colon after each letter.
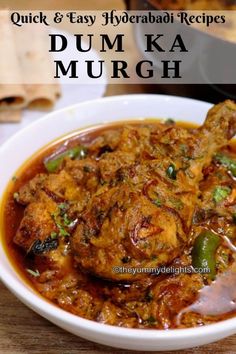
x: 52, y: 202
x: 111, y: 164
x: 218, y: 129
x: 131, y: 225
x: 43, y: 196
x: 85, y: 173
x: 37, y: 223
x: 28, y: 192
x: 59, y: 187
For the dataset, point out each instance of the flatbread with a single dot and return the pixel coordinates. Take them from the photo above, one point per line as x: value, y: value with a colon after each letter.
x: 42, y: 96
x: 10, y: 116
x: 11, y: 95
x: 42, y: 89
x: 26, y: 69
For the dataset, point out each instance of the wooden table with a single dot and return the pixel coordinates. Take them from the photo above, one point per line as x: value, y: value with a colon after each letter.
x: 23, y: 331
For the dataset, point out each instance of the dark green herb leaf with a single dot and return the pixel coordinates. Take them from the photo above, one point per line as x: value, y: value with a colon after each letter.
x: 171, y: 172
x: 87, y: 169
x: 169, y: 121
x: 151, y: 320
x: 149, y: 297
x: 126, y: 259
x: 234, y: 218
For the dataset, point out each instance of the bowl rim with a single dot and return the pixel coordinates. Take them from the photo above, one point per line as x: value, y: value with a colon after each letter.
x: 45, y: 308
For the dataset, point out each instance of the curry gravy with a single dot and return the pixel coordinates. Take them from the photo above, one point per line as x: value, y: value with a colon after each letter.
x: 12, y: 212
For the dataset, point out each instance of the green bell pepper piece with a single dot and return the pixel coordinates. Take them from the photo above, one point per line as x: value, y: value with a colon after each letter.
x: 52, y: 165
x: 203, y: 253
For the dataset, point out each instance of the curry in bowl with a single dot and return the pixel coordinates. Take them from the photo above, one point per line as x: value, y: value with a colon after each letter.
x: 131, y: 224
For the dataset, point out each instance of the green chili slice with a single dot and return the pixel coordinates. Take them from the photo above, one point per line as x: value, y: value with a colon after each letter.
x: 203, y: 253
x: 53, y: 164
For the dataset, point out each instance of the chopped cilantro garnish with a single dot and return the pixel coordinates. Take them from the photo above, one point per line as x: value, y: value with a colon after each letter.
x: 227, y: 162
x: 63, y: 207
x: 34, y: 273
x: 58, y: 221
x: 177, y: 203
x: 66, y: 220
x: 157, y: 202
x: 53, y: 235
x: 220, y: 193
x: 62, y: 231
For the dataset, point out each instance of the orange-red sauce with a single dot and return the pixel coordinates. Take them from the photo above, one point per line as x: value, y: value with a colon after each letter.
x: 13, y: 212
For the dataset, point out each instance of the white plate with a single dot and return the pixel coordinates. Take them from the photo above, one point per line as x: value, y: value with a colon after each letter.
x: 71, y: 93
x: 17, y: 149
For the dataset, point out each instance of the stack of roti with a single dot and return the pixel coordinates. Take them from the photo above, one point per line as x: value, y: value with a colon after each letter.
x: 26, y: 71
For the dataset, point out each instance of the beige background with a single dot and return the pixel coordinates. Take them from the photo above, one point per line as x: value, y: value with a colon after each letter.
x: 62, y: 4
x: 23, y: 331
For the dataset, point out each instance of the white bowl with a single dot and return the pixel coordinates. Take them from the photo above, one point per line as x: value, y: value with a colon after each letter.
x: 27, y: 141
